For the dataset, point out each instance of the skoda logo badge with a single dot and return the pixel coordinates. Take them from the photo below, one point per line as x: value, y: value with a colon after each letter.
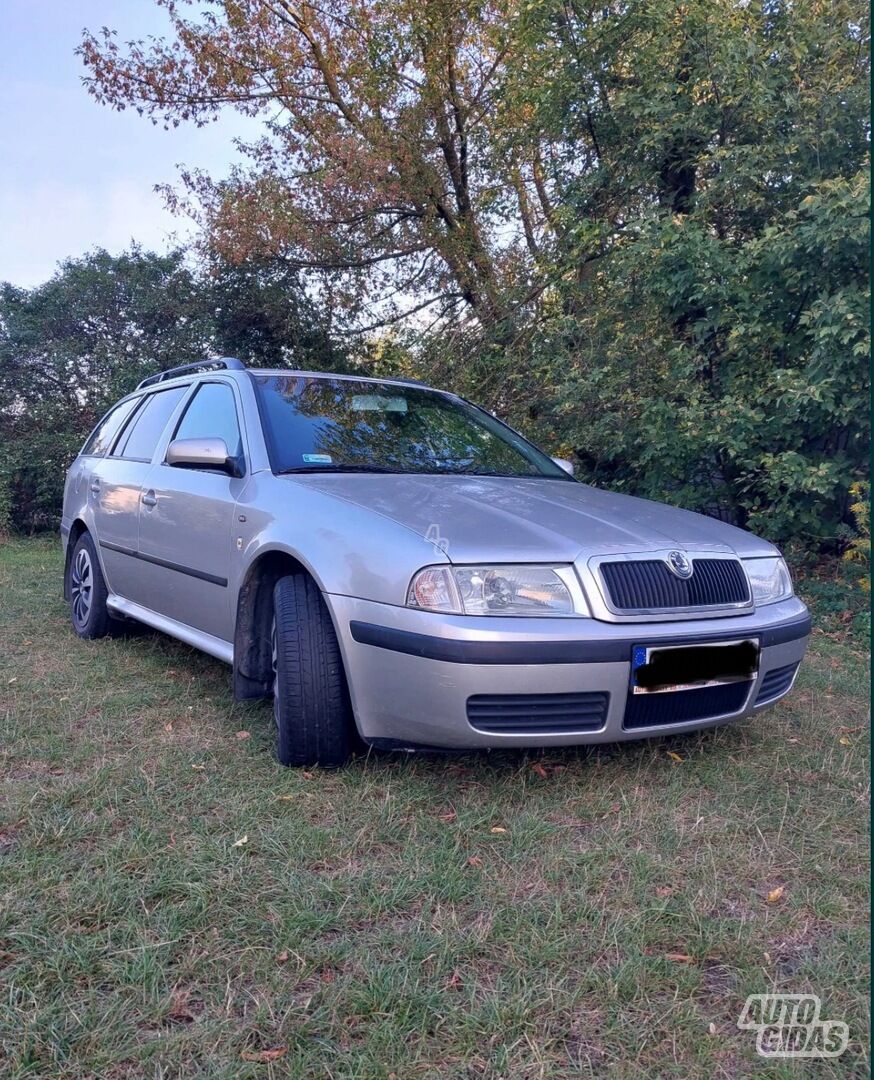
x: 679, y: 564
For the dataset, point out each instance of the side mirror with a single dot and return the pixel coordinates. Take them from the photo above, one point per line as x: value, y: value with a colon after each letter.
x: 202, y: 454
x: 563, y: 463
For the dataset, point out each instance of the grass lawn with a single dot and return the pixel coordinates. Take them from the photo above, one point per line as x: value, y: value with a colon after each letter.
x: 174, y: 903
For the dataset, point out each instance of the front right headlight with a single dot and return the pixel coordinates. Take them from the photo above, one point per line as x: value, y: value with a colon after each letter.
x: 492, y: 590
x: 769, y: 579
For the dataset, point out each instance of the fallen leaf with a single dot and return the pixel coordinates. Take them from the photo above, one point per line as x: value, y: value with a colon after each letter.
x: 28, y: 643
x: 198, y: 768
x: 776, y: 894
x: 327, y: 976
x: 168, y: 728
x: 474, y: 860
x: 679, y: 957
x: 307, y: 775
x: 539, y: 769
x: 179, y: 1009
x: 282, y: 957
x: 243, y: 735
x: 711, y: 1028
x: 264, y: 1056
x: 453, y: 983
x: 675, y: 757
x: 497, y: 829
x: 239, y: 843
x: 844, y: 741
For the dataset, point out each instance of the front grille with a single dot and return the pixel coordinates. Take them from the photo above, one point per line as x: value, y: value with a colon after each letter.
x: 648, y: 585
x: 538, y: 714
x: 680, y: 706
x: 776, y: 682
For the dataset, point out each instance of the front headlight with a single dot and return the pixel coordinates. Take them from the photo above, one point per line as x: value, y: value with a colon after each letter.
x: 492, y: 590
x: 769, y: 579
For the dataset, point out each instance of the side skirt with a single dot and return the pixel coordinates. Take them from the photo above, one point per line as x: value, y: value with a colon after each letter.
x: 221, y: 650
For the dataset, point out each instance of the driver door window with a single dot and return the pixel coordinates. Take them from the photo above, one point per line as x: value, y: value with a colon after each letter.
x: 212, y: 413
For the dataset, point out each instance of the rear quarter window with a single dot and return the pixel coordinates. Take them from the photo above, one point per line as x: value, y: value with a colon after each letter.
x: 101, y: 437
x: 140, y: 438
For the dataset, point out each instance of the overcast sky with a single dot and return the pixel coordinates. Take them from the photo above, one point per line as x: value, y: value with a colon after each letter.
x: 77, y: 175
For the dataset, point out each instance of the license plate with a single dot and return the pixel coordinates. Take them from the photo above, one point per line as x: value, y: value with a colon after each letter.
x: 658, y: 669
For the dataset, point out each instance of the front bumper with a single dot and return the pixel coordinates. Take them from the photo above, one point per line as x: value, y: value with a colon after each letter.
x: 411, y: 673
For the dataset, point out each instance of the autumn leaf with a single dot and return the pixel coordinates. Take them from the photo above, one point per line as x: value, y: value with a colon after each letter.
x: 282, y: 958
x: 474, y: 860
x: 679, y: 957
x: 179, y: 1009
x: 776, y: 894
x: 539, y: 769
x: 243, y: 735
x: 239, y: 843
x: 497, y: 829
x: 198, y: 768
x: 307, y: 775
x: 675, y: 757
x: 262, y: 1057
x: 844, y: 741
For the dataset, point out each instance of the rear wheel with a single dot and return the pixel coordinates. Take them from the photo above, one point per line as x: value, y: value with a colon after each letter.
x: 314, y: 724
x: 87, y: 590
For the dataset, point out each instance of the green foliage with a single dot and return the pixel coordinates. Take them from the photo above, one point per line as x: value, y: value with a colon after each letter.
x: 858, y: 551
x: 73, y: 346
x: 707, y: 340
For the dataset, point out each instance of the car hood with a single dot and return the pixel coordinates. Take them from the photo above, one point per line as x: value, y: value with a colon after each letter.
x: 476, y: 518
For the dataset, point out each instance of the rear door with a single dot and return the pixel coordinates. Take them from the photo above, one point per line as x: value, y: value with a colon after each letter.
x: 187, y: 517
x: 115, y: 483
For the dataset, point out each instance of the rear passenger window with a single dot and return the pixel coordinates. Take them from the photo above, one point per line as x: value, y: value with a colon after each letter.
x: 141, y: 436
x: 212, y: 414
x: 100, y: 438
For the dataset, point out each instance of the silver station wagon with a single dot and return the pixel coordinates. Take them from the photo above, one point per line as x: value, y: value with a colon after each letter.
x: 395, y: 566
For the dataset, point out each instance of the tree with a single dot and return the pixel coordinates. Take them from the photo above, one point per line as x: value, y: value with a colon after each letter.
x: 379, y: 161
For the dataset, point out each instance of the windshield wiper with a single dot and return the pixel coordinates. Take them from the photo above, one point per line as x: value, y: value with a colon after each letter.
x: 338, y: 469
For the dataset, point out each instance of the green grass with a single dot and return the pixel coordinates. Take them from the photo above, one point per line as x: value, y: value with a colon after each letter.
x: 375, y: 923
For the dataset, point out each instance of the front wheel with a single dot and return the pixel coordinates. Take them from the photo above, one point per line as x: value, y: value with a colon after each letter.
x: 314, y: 724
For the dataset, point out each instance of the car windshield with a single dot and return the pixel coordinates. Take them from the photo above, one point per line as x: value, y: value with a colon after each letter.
x: 317, y: 424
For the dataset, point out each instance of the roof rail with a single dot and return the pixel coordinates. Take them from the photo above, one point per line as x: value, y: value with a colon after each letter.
x: 229, y: 363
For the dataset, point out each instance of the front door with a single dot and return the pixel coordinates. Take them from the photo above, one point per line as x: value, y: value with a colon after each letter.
x: 186, y: 521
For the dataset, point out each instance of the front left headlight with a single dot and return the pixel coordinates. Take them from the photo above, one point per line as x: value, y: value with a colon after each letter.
x: 769, y: 579
x: 491, y: 590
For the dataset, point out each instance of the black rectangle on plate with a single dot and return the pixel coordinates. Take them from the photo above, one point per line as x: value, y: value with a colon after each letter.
x: 700, y: 665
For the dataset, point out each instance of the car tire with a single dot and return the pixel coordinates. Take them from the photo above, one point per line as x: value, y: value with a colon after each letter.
x: 86, y: 588
x: 314, y: 724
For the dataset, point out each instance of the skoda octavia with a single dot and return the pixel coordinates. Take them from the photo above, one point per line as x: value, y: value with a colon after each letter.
x: 394, y: 565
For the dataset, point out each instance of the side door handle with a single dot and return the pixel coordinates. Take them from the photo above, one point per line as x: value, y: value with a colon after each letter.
x: 95, y: 487
x: 149, y: 499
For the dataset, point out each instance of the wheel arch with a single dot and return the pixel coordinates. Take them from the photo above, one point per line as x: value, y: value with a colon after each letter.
x: 253, y: 673
x: 76, y: 529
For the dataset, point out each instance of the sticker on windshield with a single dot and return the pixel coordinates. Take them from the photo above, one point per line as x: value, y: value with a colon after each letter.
x: 318, y: 459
